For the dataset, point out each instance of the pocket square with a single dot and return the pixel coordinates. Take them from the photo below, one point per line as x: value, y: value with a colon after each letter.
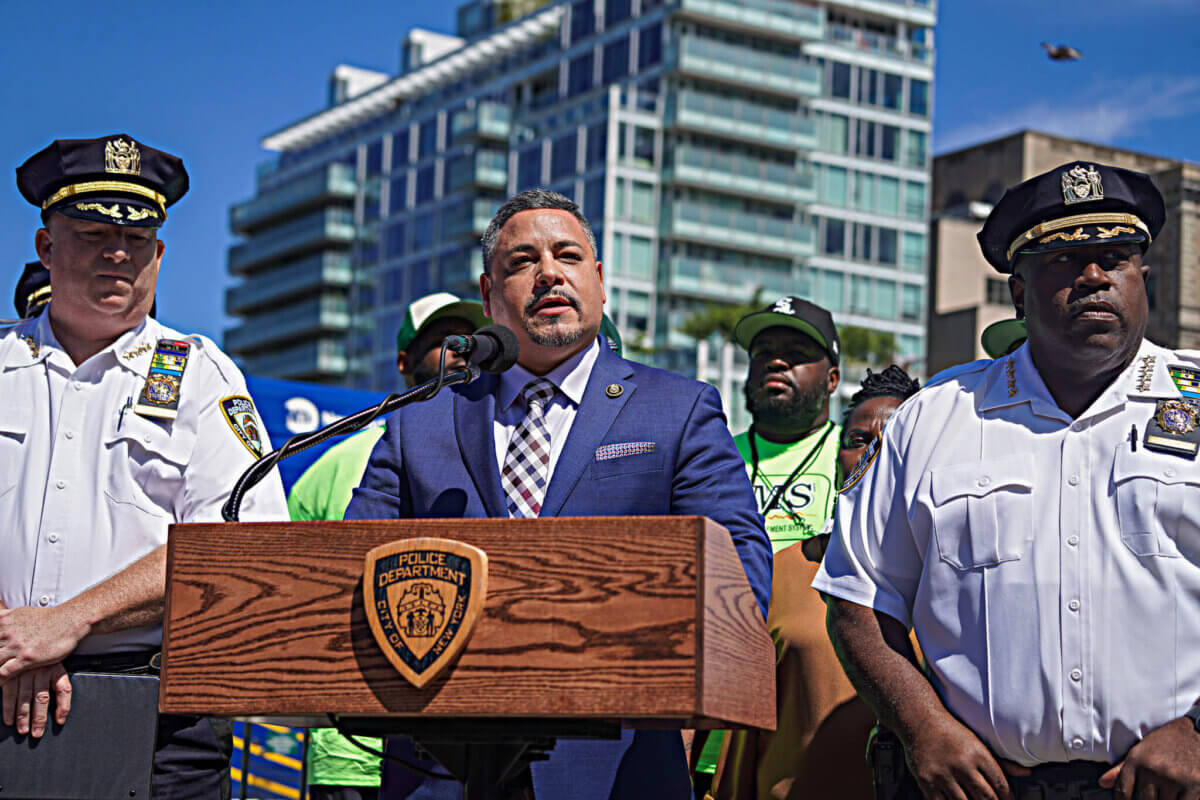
x: 611, y: 451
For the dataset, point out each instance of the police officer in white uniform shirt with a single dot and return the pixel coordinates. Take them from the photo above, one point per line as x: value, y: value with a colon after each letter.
x: 1035, y: 519
x: 114, y: 426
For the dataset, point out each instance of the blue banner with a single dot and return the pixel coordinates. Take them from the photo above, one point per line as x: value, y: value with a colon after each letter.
x: 288, y: 408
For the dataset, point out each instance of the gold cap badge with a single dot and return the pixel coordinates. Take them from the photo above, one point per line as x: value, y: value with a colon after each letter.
x: 122, y: 157
x: 1080, y: 185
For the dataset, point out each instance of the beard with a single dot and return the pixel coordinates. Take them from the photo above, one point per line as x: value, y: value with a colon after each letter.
x: 555, y: 332
x: 783, y: 411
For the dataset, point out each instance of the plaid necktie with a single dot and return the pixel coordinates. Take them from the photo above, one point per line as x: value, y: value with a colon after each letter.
x: 528, y: 458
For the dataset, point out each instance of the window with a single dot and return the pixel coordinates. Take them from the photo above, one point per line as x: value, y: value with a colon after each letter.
x: 860, y: 294
x: 425, y: 184
x: 583, y: 20
x: 649, y: 44
x: 419, y: 277
x: 918, y: 97
x: 593, y: 198
x: 579, y: 74
x: 914, y: 200
x: 864, y: 248
x: 829, y: 289
x: 562, y: 157
x: 839, y: 80
x: 615, y: 262
x: 597, y: 144
x: 529, y: 168
x: 864, y: 191
x: 868, y: 80
x: 393, y: 286
x: 833, y: 190
x: 422, y: 233
x: 834, y: 133
x: 619, y: 199
x: 910, y: 303
x: 892, y: 87
x: 616, y: 60
x: 398, y: 193
x: 642, y: 203
x: 890, y: 142
x: 616, y: 12
x: 375, y: 158
x: 835, y: 237
x: 427, y: 138
x: 887, y: 246
x: 643, y: 147
x: 400, y: 148
x: 883, y: 299
x: 641, y: 258
x: 888, y: 199
x: 914, y: 152
x: 865, y: 144
x: 394, y: 239
x: 997, y: 292
x: 914, y: 252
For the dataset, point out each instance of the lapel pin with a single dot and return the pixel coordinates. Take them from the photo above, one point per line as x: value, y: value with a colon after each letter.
x: 614, y: 390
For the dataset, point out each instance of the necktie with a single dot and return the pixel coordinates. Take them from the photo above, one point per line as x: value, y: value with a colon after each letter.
x: 528, y: 459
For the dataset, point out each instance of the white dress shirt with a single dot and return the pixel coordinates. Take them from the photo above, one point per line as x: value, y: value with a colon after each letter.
x: 1050, y: 568
x: 87, y: 486
x: 571, y: 378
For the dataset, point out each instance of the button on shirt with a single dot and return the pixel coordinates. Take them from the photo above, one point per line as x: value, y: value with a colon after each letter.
x: 87, y: 486
x: 570, y: 377
x: 1050, y: 570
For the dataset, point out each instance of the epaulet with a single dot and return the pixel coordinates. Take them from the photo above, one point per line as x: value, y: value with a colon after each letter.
x: 958, y: 369
x: 206, y: 348
x: 1187, y: 355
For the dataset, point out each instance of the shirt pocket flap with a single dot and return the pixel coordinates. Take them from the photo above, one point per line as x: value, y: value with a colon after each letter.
x: 981, y: 478
x: 160, y: 439
x: 16, y: 420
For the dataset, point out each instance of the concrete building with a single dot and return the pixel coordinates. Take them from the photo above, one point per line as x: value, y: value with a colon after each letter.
x: 967, y: 295
x: 718, y: 147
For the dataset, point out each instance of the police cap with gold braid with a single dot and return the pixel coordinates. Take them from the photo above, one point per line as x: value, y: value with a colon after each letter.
x: 33, y: 290
x: 1077, y: 204
x: 114, y: 179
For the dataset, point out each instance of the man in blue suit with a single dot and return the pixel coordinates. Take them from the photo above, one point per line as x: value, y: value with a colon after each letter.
x: 572, y: 430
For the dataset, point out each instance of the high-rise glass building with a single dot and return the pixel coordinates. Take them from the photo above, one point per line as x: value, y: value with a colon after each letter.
x: 719, y: 147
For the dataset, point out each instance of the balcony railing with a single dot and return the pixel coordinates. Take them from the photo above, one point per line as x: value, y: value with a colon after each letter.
x: 322, y: 358
x: 487, y: 120
x: 331, y: 182
x: 723, y: 281
x: 742, y: 65
x: 743, y: 174
x: 302, y: 277
x: 778, y: 16
x: 878, y: 44
x: 489, y: 168
x: 332, y: 226
x: 725, y: 227
x: 471, y: 218
x: 742, y: 119
x: 329, y: 313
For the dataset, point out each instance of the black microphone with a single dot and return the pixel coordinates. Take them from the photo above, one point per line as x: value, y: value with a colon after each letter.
x: 493, y: 348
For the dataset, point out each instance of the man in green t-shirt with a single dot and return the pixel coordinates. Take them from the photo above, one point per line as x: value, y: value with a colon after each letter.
x: 338, y: 770
x: 791, y: 457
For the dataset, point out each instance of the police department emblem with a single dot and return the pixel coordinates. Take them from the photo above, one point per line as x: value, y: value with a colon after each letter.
x: 162, y: 388
x: 123, y: 157
x: 864, y: 463
x: 422, y: 598
x: 1080, y: 185
x: 1176, y: 416
x: 243, y: 419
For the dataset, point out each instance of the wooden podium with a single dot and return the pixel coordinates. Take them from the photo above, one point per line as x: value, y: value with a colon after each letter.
x: 588, y: 624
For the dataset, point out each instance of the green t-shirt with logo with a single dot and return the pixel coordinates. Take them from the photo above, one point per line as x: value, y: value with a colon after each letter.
x: 323, y: 492
x: 801, y: 512
x: 807, y: 501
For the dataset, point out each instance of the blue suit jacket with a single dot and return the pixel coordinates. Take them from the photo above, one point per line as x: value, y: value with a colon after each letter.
x: 438, y: 459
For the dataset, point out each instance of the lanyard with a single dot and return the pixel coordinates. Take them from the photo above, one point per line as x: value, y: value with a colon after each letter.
x: 777, y: 492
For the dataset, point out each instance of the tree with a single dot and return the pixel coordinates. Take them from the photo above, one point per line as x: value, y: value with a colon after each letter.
x: 720, y: 318
x: 867, y: 346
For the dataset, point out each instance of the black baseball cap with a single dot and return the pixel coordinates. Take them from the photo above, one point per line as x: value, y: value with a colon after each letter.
x: 792, y: 312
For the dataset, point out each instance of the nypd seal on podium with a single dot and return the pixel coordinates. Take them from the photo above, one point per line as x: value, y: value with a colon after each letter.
x: 422, y: 598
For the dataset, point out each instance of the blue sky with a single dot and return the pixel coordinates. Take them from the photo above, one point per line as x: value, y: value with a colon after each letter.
x: 208, y: 80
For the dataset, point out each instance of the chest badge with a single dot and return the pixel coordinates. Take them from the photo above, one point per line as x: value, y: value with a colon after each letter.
x: 422, y: 599
x: 1175, y: 428
x: 614, y: 390
x: 160, y: 395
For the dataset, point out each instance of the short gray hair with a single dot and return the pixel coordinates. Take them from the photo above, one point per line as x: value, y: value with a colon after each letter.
x: 530, y: 200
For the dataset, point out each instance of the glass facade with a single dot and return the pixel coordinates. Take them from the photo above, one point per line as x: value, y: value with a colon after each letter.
x: 719, y: 147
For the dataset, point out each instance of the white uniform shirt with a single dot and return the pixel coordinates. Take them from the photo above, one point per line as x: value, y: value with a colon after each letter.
x: 571, y: 378
x: 1051, y: 571
x: 86, y: 489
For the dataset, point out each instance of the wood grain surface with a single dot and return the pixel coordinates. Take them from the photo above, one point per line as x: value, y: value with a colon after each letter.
x: 606, y: 618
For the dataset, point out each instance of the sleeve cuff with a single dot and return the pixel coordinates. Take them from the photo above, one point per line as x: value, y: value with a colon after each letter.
x: 860, y: 592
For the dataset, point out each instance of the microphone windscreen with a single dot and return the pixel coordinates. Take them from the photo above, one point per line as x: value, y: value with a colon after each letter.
x: 507, y: 351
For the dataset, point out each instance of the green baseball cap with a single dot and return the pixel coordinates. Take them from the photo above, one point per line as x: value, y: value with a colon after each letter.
x: 432, y: 307
x: 1001, y: 338
x: 608, y: 329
